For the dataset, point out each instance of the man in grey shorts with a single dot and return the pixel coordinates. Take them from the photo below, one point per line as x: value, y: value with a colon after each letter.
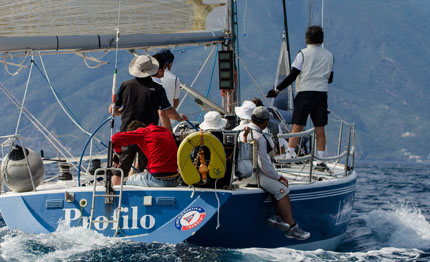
x: 270, y: 180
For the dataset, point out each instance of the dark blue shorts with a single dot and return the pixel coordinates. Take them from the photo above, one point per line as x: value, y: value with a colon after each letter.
x: 310, y: 103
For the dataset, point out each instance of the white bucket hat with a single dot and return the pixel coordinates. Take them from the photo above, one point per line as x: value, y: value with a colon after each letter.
x: 213, y: 120
x: 245, y: 111
x: 143, y: 66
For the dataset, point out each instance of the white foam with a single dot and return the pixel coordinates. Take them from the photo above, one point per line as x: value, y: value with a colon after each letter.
x: 286, y: 254
x: 402, y: 227
x: 63, y: 243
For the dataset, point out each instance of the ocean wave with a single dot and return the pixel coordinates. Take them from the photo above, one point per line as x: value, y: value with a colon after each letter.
x: 402, y: 227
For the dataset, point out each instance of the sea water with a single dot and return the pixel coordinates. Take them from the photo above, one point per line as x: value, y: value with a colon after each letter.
x: 390, y: 222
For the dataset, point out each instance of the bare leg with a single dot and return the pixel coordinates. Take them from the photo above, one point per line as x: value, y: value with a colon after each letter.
x: 116, y: 180
x: 284, y: 207
x: 293, y: 141
x: 319, y: 131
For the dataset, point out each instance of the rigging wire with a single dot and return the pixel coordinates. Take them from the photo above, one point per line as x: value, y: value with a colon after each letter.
x: 23, y: 98
x: 58, y: 146
x: 210, y: 82
x: 262, y: 92
x: 244, y: 18
x: 196, y: 77
x: 275, y: 14
x: 311, y: 10
x: 62, y: 104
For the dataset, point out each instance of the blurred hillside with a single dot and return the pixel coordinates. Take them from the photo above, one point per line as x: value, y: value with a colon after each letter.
x: 379, y: 82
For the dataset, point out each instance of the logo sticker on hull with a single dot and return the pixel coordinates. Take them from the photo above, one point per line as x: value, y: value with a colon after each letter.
x: 190, y: 218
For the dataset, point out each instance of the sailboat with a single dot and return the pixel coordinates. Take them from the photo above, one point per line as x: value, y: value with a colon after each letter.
x: 219, y: 214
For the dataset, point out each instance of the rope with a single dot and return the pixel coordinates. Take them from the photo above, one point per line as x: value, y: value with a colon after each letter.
x: 218, y: 207
x: 20, y: 66
x: 86, y: 58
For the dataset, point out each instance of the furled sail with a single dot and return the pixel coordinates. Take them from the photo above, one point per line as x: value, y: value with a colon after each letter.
x: 78, y: 24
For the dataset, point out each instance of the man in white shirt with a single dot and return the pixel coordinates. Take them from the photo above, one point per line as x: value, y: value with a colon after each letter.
x: 312, y: 69
x: 171, y: 84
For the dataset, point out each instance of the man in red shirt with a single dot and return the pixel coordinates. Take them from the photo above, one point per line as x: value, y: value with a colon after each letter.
x: 158, y: 145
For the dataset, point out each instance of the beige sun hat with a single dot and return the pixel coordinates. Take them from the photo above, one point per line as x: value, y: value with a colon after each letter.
x: 143, y: 66
x: 213, y: 120
x: 245, y: 111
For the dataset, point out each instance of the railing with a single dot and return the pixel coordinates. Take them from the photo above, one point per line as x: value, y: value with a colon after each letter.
x: 347, y: 153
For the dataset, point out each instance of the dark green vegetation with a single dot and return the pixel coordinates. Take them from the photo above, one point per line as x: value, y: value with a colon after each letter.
x: 380, y: 74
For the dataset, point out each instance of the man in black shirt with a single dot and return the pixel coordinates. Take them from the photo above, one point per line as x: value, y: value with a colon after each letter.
x: 140, y: 99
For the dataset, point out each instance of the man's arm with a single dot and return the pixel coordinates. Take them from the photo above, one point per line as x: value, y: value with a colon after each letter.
x: 289, y: 79
x: 123, y: 139
x: 168, y: 110
x: 117, y: 110
x: 165, y: 120
x: 330, y: 79
x: 264, y: 160
x: 171, y: 113
x: 175, y: 103
x: 176, y: 94
x: 285, y: 83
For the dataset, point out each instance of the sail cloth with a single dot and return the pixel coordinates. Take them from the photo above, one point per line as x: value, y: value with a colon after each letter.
x: 79, y: 24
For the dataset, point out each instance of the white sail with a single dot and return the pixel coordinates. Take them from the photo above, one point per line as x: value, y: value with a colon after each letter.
x: 71, y: 25
x: 283, y: 70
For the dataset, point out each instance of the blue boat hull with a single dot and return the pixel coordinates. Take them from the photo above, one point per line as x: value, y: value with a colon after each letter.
x: 177, y: 214
x: 324, y: 210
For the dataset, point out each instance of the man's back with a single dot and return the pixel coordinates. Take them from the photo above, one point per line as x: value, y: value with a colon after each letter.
x: 156, y: 142
x: 316, y: 68
x: 141, y: 99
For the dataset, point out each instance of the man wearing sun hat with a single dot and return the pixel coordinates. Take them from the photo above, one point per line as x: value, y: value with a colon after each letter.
x: 269, y: 179
x: 140, y: 99
x: 244, y: 113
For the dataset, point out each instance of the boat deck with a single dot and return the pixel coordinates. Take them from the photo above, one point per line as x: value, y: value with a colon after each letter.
x: 300, y: 173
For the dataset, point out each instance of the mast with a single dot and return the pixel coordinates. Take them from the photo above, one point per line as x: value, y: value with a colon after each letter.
x: 227, y: 61
x: 287, y: 43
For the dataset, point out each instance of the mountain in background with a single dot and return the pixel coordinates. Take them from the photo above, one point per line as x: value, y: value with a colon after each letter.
x: 379, y: 83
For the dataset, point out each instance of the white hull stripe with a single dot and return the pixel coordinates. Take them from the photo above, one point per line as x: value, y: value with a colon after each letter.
x: 322, y: 194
